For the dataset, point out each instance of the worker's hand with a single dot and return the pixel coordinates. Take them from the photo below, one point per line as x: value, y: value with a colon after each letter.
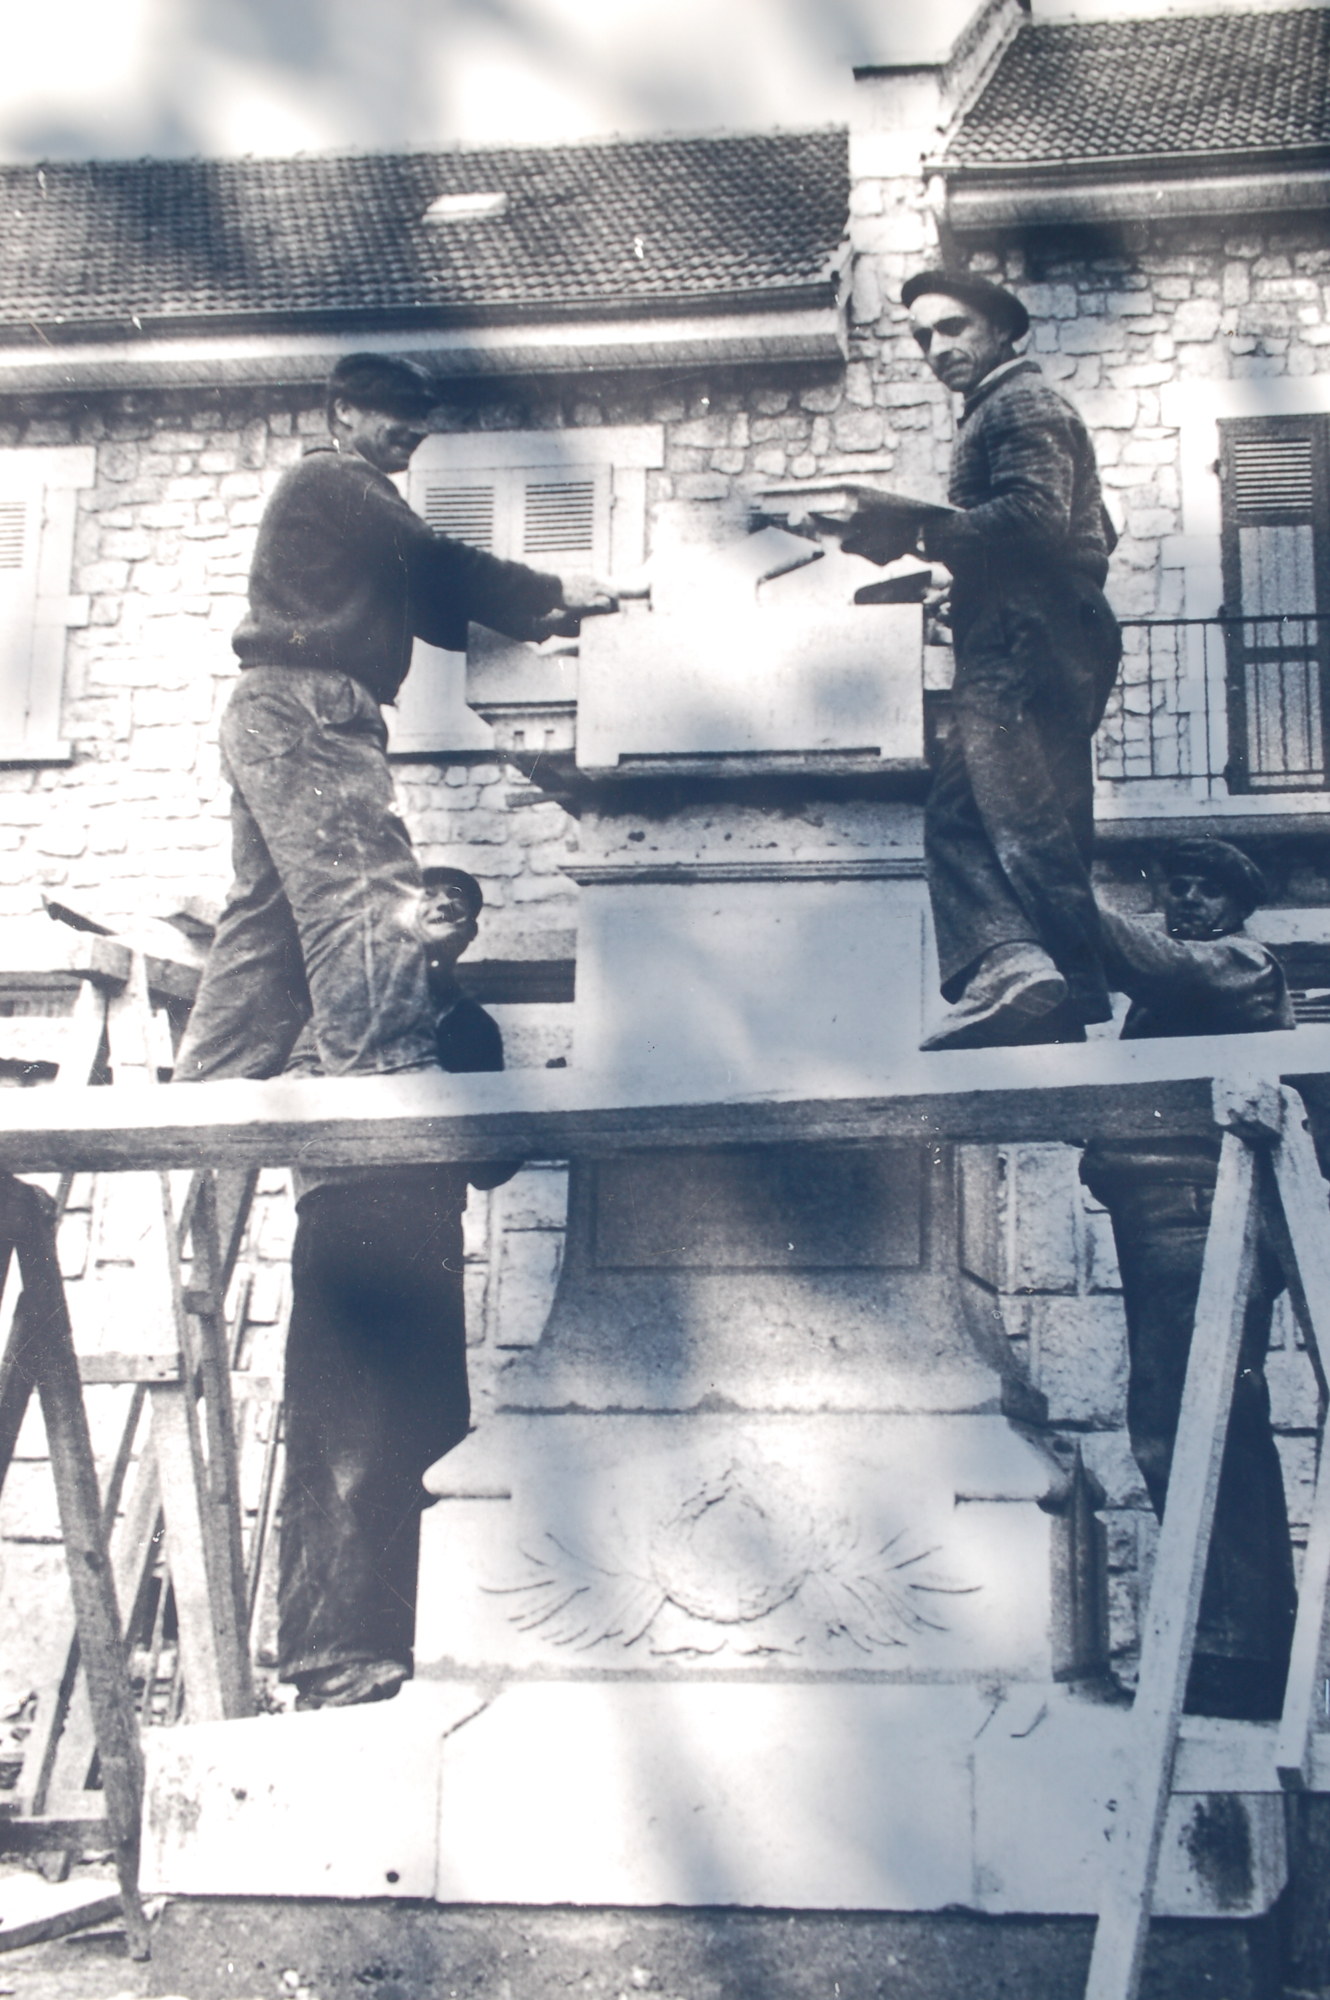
x: 581, y: 599
x: 881, y: 540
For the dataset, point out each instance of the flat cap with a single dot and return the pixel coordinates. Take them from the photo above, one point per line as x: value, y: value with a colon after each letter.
x: 1224, y: 863
x: 443, y: 877
x: 385, y: 382
x: 994, y: 301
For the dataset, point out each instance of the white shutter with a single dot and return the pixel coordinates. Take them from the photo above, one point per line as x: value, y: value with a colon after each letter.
x: 559, y: 519
x: 517, y: 496
x: 20, y: 536
x: 15, y: 533
x: 465, y: 512
x: 39, y: 498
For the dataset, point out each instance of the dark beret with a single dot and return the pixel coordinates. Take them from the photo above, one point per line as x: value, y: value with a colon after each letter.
x: 384, y: 382
x: 442, y: 877
x: 1222, y: 862
x: 994, y: 301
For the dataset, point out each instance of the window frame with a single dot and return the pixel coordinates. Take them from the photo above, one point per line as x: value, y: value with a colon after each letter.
x: 48, y: 480
x: 1256, y: 640
x: 432, y: 718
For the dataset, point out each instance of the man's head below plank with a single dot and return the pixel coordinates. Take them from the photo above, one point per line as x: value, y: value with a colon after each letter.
x: 1199, y: 972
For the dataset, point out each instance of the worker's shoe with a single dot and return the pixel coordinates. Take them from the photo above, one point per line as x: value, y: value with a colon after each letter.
x: 350, y: 1683
x: 1014, y: 985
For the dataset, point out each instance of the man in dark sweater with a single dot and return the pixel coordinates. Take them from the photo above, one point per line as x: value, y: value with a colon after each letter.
x: 1009, y: 823
x: 376, y: 1379
x: 1201, y: 974
x: 320, y: 920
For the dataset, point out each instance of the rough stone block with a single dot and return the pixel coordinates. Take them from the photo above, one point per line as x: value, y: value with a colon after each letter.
x: 1053, y: 301
x: 1108, y: 409
x: 529, y: 1272
x: 1196, y: 319
x: 1101, y: 1256
x: 1090, y: 336
x: 537, y: 1198
x: 1108, y: 1458
x: 1078, y: 1359
x: 1045, y: 1197
x: 260, y: 1807
x: 164, y: 749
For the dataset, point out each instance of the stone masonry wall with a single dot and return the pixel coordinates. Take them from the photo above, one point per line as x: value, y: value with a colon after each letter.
x: 138, y: 820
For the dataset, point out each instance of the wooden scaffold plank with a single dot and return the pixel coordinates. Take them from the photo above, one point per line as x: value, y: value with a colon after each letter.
x: 1071, y: 1093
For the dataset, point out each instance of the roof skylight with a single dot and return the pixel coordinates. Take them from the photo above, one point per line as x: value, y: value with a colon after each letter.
x: 480, y: 207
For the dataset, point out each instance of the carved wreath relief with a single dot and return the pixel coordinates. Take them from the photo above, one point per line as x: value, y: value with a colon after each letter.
x: 745, y: 1559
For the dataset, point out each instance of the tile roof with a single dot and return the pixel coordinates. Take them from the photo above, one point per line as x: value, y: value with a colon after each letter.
x: 628, y: 225
x: 1117, y: 90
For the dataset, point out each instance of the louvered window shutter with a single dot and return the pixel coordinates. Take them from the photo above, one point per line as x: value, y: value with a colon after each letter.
x: 1274, y: 484
x: 559, y: 519
x: 1272, y: 477
x: 14, y: 533
x: 1275, y: 550
x: 550, y: 514
x: 466, y: 512
x: 20, y: 523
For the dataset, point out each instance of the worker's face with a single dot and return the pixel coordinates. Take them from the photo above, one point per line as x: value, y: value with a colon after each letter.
x: 960, y: 344
x: 1198, y: 906
x: 384, y: 439
x: 446, y: 924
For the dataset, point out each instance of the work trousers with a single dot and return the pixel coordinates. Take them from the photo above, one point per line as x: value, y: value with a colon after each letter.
x: 1009, y: 825
x: 1249, y: 1601
x: 321, y: 916
x: 376, y: 1391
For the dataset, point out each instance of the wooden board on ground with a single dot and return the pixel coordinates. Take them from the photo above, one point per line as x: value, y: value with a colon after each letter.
x: 32, y: 1909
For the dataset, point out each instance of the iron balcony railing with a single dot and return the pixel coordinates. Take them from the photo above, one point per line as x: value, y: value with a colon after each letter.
x: 1208, y: 703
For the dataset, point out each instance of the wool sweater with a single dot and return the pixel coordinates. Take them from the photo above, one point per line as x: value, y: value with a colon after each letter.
x: 1024, y: 471
x: 345, y: 576
x: 1181, y: 986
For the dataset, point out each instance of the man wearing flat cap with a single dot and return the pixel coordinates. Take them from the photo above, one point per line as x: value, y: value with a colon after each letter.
x: 376, y: 1377
x: 1200, y: 973
x: 1009, y: 825
x: 320, y: 919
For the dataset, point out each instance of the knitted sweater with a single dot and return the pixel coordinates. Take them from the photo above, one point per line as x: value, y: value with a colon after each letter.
x: 1181, y: 986
x: 1024, y: 471
x: 346, y: 575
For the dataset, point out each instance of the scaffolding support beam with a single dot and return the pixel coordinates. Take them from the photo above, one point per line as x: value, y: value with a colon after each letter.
x: 1071, y: 1093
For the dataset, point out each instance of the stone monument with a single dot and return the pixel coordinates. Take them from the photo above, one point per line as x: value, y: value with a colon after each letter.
x: 783, y: 1592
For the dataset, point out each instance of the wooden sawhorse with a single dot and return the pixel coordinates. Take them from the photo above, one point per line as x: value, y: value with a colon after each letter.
x: 1268, y: 1166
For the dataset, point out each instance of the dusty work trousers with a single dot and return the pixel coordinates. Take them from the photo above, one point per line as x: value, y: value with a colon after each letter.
x: 321, y: 915
x: 1249, y: 1601
x: 376, y: 1391
x: 1009, y: 825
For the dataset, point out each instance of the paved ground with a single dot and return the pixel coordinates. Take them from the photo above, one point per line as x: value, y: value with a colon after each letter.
x: 252, y: 1950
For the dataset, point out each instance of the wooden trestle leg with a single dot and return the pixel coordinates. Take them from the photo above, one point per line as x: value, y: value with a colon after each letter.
x: 27, y: 1227
x: 1268, y: 1165
x: 1175, y: 1594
